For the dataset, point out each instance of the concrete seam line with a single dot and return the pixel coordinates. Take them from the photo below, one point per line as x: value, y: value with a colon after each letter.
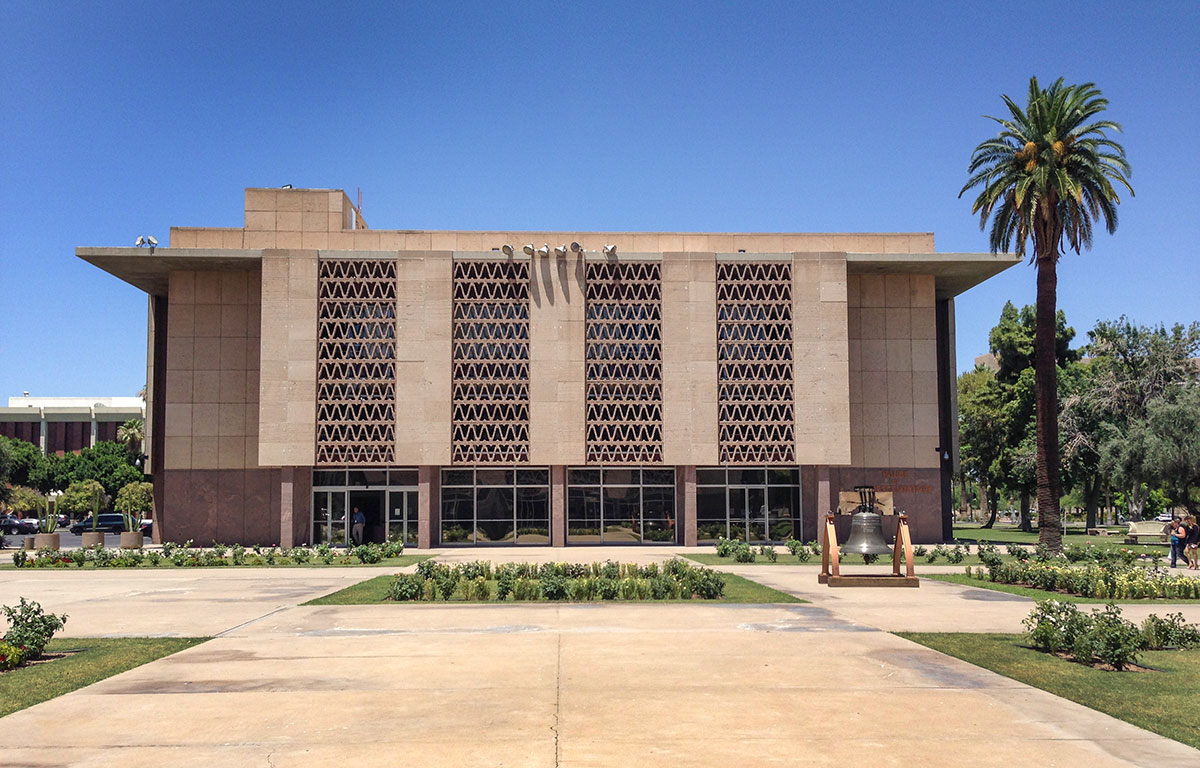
x: 251, y: 621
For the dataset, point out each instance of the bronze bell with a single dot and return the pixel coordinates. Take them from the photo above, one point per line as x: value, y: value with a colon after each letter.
x: 866, y: 527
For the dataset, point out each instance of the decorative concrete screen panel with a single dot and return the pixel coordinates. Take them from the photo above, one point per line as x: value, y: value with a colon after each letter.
x: 491, y: 362
x: 356, y: 361
x: 755, y: 386
x: 624, y: 386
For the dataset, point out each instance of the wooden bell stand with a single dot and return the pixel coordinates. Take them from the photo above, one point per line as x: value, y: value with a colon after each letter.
x: 831, y: 573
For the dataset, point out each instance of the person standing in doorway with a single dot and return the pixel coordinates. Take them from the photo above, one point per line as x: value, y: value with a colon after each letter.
x: 358, y: 521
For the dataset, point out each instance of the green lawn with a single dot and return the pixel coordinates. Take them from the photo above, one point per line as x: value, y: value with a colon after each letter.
x: 97, y: 658
x: 1037, y: 594
x: 374, y: 591
x: 1006, y: 534
x: 1161, y: 700
x: 340, y: 562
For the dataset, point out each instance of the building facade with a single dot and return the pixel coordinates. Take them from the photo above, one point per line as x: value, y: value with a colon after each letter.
x: 59, y: 425
x: 539, y: 387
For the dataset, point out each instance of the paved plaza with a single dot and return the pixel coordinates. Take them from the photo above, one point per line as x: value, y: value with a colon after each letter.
x: 547, y: 684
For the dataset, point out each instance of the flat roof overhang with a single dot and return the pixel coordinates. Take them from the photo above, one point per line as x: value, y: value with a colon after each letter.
x: 954, y: 273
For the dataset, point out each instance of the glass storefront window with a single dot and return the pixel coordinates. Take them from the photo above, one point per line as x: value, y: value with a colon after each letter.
x: 621, y: 505
x: 495, y: 506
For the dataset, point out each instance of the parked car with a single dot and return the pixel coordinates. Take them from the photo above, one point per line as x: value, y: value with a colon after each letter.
x: 147, y: 527
x: 12, y: 526
x: 107, y: 522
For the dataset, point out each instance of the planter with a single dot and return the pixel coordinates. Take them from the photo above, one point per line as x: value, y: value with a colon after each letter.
x: 29, y: 543
x: 45, y: 541
x: 131, y: 540
x: 92, y: 538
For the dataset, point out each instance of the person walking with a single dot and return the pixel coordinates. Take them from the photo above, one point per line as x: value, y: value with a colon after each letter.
x: 1178, y: 538
x: 358, y: 521
x: 1192, y: 542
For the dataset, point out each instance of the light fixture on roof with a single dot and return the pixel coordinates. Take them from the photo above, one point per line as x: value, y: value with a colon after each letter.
x: 560, y: 250
x: 610, y: 251
x: 544, y: 250
x: 144, y: 240
x: 576, y: 247
x: 286, y: 186
x: 528, y: 249
x: 506, y: 249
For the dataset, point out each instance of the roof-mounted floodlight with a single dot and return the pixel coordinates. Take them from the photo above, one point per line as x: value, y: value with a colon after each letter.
x: 544, y: 250
x: 610, y: 250
x: 560, y: 250
x: 506, y: 249
x: 528, y: 249
x: 576, y: 247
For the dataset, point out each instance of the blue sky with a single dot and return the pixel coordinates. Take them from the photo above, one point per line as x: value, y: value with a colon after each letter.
x: 118, y: 119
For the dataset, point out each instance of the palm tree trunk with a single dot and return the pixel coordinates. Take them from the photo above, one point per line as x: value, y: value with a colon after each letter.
x: 1045, y: 385
x: 1026, y: 524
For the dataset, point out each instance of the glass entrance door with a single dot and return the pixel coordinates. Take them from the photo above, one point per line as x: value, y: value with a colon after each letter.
x: 402, y: 516
x: 748, y: 513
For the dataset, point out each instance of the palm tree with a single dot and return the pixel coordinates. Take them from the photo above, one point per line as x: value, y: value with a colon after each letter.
x: 132, y: 433
x: 1046, y: 178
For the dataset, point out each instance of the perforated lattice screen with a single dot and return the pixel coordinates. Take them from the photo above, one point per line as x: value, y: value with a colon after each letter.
x: 754, y: 352
x: 491, y: 362
x: 624, y: 362
x: 356, y: 361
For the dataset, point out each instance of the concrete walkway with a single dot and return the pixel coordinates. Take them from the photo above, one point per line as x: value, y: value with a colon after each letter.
x: 543, y: 684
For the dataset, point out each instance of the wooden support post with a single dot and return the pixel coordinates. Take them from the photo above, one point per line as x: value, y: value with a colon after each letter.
x: 903, y: 545
x: 829, y: 552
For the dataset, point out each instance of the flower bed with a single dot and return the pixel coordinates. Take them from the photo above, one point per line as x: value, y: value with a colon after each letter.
x: 187, y: 556
x: 480, y: 581
x: 1106, y: 582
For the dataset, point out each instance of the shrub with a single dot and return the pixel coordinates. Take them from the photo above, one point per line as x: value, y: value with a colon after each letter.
x: 79, y: 556
x: 815, y: 546
x: 1171, y: 632
x: 706, y: 584
x: 154, y: 558
x: 1075, y: 552
x: 607, y: 589
x: 30, y: 627
x: 726, y: 547
x: 768, y: 551
x: 583, y: 589
x: 794, y: 547
x: 525, y: 589
x: 476, y: 569
x: 392, y: 548
x: 662, y: 587
x: 505, y: 579
x: 553, y: 587
x: 1111, y: 639
x: 919, y: 550
x: 1042, y: 553
x: 325, y: 553
x: 406, y: 586
x: 1054, y: 625
x: 803, y: 554
x: 956, y: 554
x: 989, y: 555
x: 301, y: 555
x: 1016, y: 550
x: 932, y: 555
x: 447, y: 581
x: 743, y: 553
x: 19, y: 558
x: 11, y: 656
x: 476, y: 589
x: 237, y: 552
x: 368, y: 554
x: 869, y: 558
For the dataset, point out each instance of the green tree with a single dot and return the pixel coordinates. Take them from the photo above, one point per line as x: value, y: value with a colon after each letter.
x: 1173, y: 448
x: 22, y: 500
x: 134, y: 501
x: 6, y: 467
x: 26, y: 458
x: 1045, y: 178
x: 82, y: 498
x: 982, y: 429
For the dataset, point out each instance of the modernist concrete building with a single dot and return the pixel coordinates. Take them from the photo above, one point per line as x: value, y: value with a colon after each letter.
x: 540, y: 387
x: 59, y: 425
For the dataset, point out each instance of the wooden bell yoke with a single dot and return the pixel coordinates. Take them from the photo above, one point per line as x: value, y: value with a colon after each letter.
x: 831, y: 570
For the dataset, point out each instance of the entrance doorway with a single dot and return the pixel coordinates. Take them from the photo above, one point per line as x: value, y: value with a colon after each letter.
x: 370, y: 503
x: 748, y: 513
